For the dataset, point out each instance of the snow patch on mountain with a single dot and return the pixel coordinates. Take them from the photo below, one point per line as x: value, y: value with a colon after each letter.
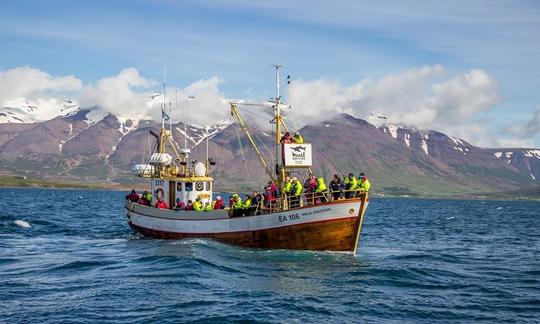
x: 94, y: 116
x: 407, y: 139
x: 424, y: 144
x: 532, y: 153
x: 23, y: 110
x: 460, y: 145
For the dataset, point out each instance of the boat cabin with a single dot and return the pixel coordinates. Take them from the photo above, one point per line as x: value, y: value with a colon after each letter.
x: 185, y: 188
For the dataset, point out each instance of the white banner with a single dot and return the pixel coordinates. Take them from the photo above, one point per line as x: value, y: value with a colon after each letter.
x: 297, y: 155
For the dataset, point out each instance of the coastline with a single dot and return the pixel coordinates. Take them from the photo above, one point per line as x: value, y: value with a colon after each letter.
x: 20, y: 182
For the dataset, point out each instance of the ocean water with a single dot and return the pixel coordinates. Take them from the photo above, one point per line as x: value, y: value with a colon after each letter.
x: 69, y: 256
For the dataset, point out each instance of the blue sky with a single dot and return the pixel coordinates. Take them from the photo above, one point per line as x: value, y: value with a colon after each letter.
x: 343, y: 40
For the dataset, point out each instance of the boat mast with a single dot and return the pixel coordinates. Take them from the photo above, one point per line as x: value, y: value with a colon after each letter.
x: 277, y: 110
x: 162, y: 132
x: 280, y: 170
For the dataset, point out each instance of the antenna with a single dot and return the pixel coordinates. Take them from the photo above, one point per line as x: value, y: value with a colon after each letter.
x: 163, y: 106
x: 185, y: 120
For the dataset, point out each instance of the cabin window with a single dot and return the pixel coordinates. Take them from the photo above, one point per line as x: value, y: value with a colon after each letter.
x: 179, y: 186
x: 199, y: 186
x: 189, y: 186
x: 207, y: 186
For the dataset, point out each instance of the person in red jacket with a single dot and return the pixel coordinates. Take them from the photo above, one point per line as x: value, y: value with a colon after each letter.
x: 161, y: 204
x: 133, y: 196
x: 220, y: 204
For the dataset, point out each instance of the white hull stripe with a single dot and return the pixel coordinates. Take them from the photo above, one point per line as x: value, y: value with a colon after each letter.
x: 251, y: 223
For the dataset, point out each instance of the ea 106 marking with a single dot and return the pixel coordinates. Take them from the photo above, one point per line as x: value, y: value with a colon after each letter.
x: 291, y: 217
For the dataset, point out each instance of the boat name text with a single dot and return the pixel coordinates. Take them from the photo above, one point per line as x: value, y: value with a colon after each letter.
x: 297, y: 216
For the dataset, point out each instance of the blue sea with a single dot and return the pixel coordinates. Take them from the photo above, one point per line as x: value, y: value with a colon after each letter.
x: 69, y: 256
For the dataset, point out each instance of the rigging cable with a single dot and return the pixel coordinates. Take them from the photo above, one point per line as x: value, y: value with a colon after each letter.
x: 243, y: 155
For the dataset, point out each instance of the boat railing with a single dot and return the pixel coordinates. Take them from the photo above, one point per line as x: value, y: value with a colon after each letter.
x: 305, y: 199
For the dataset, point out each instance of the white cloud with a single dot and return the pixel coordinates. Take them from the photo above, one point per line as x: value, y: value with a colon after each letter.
x: 425, y: 98
x: 29, y: 82
x: 522, y: 134
x: 125, y: 94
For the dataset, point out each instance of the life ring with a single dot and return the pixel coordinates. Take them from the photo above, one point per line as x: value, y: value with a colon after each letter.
x: 199, y: 186
x: 159, y: 193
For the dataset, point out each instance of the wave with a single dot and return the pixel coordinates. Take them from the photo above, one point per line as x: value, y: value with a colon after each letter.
x: 21, y: 223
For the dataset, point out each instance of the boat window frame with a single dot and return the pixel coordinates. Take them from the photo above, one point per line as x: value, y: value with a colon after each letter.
x: 179, y: 187
x: 188, y: 188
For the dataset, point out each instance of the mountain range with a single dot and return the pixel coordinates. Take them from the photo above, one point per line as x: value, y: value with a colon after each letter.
x: 76, y: 144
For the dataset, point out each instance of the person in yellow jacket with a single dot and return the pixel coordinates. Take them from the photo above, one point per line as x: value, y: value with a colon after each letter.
x: 350, y: 185
x: 247, y: 206
x: 197, y: 205
x: 287, y: 186
x: 237, y: 206
x: 363, y: 183
x: 296, y: 192
x: 298, y: 139
x: 208, y: 207
x: 321, y: 190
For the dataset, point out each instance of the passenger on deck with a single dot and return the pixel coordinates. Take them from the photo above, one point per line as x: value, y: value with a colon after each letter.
x: 336, y: 187
x: 133, y: 196
x: 161, y: 204
x: 247, y: 206
x: 197, y: 205
x: 189, y: 205
x: 256, y: 200
x: 180, y: 205
x: 296, y: 192
x: 148, y: 199
x: 219, y: 204
x: 287, y: 186
x: 350, y: 186
x: 320, y: 191
x: 297, y: 138
x: 363, y: 183
x: 271, y: 194
x: 237, y: 206
x: 287, y: 138
x: 208, y: 207
x: 142, y: 200
x: 310, y: 186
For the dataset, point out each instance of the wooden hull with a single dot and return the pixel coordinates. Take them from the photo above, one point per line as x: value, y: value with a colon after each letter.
x: 332, y: 227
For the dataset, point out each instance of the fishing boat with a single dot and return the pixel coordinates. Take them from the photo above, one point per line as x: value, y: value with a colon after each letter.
x: 304, y: 222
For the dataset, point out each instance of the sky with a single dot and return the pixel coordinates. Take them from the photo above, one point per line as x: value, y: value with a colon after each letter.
x: 467, y: 68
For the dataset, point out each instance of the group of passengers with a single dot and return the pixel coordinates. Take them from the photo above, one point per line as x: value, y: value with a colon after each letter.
x: 198, y: 205
x: 314, y: 189
x: 146, y: 199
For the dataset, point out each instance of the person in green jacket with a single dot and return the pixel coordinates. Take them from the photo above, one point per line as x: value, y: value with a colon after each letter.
x: 197, y: 205
x: 363, y: 183
x: 321, y: 190
x: 237, y: 206
x: 298, y: 139
x: 247, y: 206
x: 350, y: 185
x: 287, y: 186
x: 296, y: 192
x: 208, y: 207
